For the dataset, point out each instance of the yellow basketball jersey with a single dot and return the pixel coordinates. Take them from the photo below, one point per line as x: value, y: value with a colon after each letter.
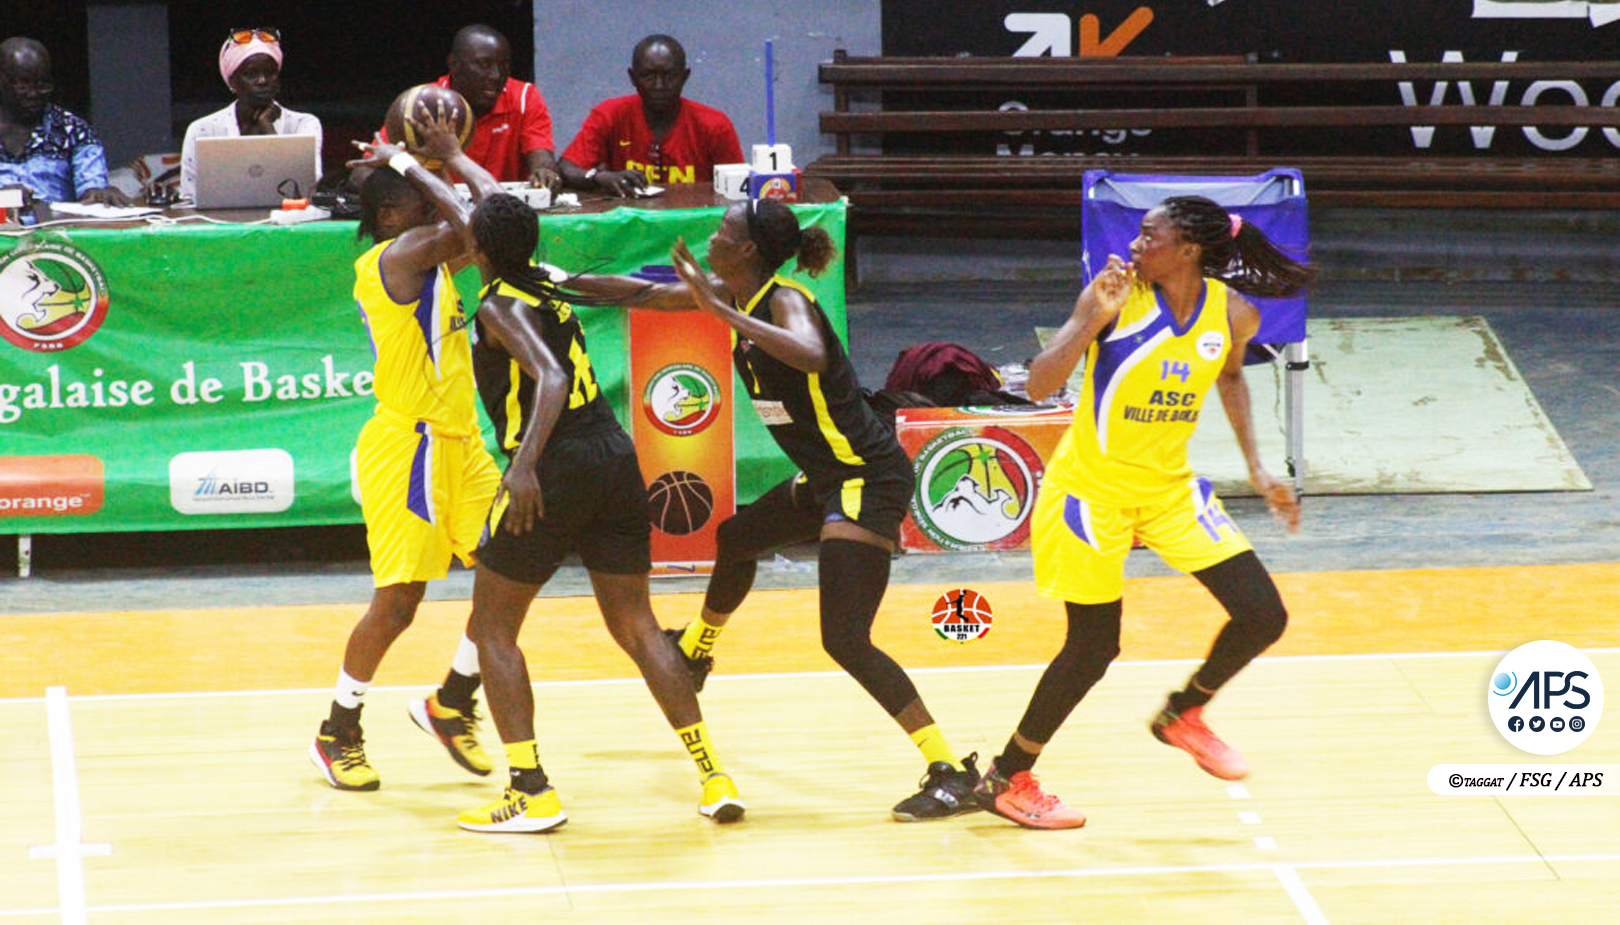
x: 424, y: 360
x: 1145, y: 383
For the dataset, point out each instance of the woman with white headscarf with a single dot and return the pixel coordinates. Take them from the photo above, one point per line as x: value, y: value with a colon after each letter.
x: 250, y: 62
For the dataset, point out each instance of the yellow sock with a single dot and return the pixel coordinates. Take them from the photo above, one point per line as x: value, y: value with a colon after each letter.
x: 698, y: 638
x: 696, y: 739
x: 523, y: 756
x: 931, y: 742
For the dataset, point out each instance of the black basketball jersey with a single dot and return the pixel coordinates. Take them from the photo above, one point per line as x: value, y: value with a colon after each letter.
x: 508, y: 392
x: 820, y: 421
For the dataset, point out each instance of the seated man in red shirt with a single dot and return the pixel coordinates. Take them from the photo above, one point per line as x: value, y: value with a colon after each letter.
x: 653, y: 137
x: 512, y: 132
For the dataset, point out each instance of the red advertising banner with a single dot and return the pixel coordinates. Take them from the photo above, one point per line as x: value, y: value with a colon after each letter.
x: 978, y: 470
x: 680, y: 400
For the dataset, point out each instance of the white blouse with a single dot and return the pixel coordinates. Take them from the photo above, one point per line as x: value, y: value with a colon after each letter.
x: 223, y: 123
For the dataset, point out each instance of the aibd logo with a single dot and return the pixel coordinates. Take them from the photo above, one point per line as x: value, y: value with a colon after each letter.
x: 1545, y: 697
x: 681, y: 399
x: 52, y: 297
x: 975, y: 488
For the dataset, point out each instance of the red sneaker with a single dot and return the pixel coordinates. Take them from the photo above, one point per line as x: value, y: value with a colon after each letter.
x: 1022, y: 800
x: 1187, y: 732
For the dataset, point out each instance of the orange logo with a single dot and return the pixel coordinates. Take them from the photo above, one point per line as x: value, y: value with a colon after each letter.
x: 1093, y: 45
x: 51, y: 486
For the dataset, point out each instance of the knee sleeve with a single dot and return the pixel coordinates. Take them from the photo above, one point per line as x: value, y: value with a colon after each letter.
x: 854, y: 577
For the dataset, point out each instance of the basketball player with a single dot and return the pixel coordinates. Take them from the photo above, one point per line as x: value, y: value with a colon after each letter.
x: 855, y: 481
x: 1156, y: 333
x: 425, y: 479
x: 572, y: 483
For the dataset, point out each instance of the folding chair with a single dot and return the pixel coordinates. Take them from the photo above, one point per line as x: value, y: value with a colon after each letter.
x: 1111, y: 210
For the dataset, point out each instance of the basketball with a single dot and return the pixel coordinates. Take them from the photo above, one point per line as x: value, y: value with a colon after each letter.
x: 680, y: 502
x: 403, y: 121
x: 962, y: 615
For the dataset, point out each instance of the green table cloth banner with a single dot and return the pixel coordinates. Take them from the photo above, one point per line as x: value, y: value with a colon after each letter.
x: 196, y: 376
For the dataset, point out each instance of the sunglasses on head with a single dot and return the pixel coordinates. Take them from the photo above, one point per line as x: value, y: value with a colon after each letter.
x: 261, y: 33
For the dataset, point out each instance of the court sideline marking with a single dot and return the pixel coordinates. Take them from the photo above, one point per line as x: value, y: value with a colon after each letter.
x: 797, y: 675
x: 69, y: 850
x: 1283, y: 872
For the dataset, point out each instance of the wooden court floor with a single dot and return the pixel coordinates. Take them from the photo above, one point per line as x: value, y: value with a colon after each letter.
x: 155, y: 769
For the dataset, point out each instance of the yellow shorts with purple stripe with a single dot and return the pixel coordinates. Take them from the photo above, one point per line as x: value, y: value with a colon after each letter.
x: 424, y: 497
x: 1080, y: 547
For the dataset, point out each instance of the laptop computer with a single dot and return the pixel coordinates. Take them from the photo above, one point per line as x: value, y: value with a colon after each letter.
x: 254, y: 171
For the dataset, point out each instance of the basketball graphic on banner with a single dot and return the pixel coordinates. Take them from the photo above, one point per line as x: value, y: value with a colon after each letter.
x: 680, y: 502
x: 962, y: 615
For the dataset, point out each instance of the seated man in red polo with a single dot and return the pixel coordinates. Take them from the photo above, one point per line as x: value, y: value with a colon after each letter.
x: 512, y: 132
x: 653, y: 137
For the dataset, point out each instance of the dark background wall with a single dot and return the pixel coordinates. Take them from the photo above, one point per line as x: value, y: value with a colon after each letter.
x: 1284, y: 30
x: 156, y: 64
x: 345, y: 61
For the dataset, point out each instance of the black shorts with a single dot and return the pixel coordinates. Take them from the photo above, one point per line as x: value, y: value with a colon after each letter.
x: 595, y: 503
x: 876, y: 498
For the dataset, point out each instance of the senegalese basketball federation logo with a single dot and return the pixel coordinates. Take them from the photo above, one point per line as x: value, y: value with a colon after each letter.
x: 975, y: 488
x: 681, y: 399
x: 52, y: 297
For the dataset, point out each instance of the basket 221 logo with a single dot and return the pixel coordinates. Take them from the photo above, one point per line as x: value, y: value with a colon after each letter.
x: 52, y: 297
x: 1546, y: 697
x: 975, y: 488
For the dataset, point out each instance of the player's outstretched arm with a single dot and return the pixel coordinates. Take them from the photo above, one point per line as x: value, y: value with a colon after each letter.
x: 791, y: 336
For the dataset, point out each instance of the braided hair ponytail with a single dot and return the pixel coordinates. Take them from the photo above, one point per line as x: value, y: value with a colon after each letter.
x: 1236, y: 252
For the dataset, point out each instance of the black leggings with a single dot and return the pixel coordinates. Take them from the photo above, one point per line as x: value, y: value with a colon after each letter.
x: 1256, y: 619
x: 854, y: 577
x: 784, y: 516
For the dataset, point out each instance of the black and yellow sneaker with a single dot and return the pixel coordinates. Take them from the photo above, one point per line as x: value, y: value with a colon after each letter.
x: 456, y: 730
x: 721, y: 802
x: 945, y: 791
x: 516, y: 811
x: 699, y: 668
x: 341, y: 756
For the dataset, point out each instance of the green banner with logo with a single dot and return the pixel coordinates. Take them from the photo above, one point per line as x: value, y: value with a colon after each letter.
x: 198, y: 376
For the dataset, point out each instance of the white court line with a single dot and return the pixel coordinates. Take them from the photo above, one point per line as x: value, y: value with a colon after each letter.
x: 1281, y: 871
x: 797, y: 675
x: 1303, y: 900
x: 1265, y: 843
x: 69, y: 821
x: 1248, y: 818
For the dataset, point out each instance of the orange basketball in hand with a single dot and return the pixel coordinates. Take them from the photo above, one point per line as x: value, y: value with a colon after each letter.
x: 405, y: 114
